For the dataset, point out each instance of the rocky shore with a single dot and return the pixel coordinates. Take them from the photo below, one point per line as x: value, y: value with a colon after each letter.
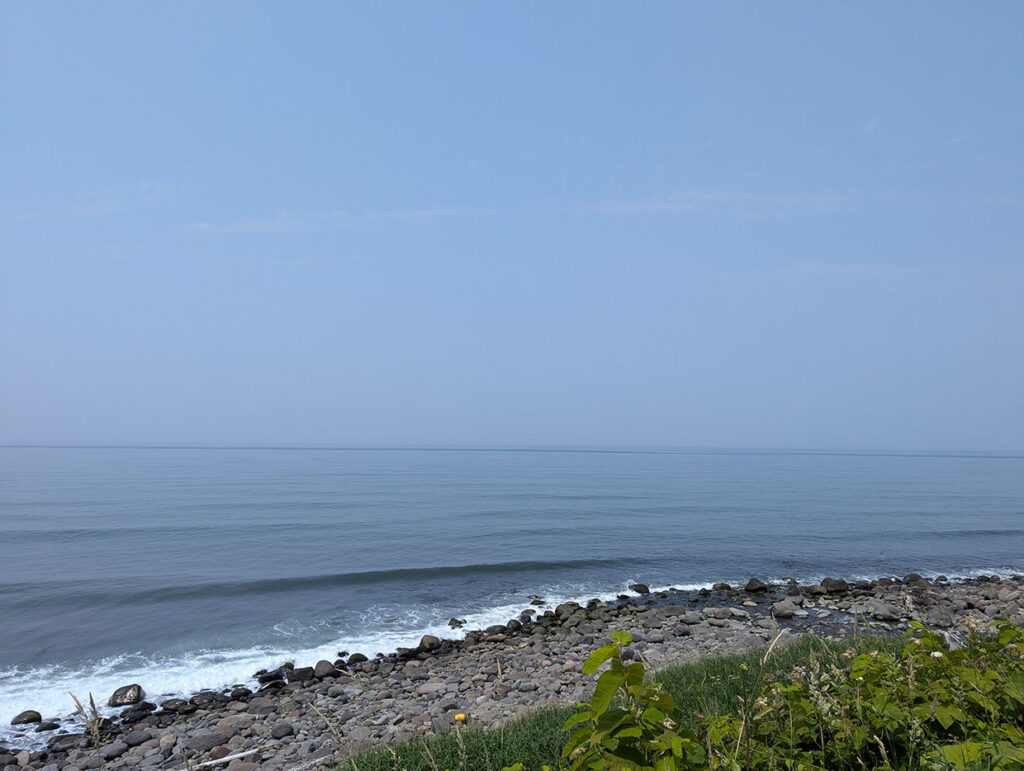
x: 305, y: 717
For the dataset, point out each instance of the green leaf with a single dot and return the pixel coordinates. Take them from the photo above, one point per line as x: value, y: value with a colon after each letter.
x: 635, y: 674
x: 580, y: 717
x: 947, y: 714
x: 963, y: 754
x: 622, y: 638
x: 605, y: 689
x: 598, y: 657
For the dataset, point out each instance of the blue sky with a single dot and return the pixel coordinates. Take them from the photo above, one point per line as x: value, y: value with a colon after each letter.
x: 598, y: 224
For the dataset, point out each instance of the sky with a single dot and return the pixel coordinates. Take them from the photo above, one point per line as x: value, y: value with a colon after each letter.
x: 513, y: 224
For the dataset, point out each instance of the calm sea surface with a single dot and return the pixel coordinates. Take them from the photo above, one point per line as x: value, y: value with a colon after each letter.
x: 190, y: 568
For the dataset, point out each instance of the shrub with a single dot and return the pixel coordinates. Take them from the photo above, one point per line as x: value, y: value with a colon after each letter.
x: 924, y: 707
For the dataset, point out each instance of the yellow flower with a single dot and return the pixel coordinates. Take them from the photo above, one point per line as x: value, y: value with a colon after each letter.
x: 460, y: 718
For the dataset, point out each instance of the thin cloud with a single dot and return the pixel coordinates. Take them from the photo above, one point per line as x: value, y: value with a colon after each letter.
x: 286, y: 221
x: 727, y: 202
x: 91, y: 204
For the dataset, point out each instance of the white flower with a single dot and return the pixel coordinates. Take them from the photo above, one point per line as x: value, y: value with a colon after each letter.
x: 936, y: 654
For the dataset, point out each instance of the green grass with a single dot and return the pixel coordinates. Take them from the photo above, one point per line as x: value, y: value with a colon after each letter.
x: 713, y: 685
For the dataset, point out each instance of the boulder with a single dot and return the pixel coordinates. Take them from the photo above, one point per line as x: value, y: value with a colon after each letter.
x: 125, y: 695
x: 113, y: 750
x: 784, y: 609
x: 429, y: 643
x: 299, y: 674
x: 324, y: 669
x: 940, y: 616
x: 640, y: 588
x: 755, y: 585
x: 359, y: 658
x: 834, y: 585
x: 206, y: 741
x: 26, y: 717
x: 281, y: 730
x: 884, y: 611
x: 135, y: 738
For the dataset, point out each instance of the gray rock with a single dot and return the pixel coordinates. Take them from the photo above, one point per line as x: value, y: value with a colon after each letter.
x: 113, y: 750
x: 884, y: 611
x: 135, y: 738
x: 26, y: 717
x: 206, y: 741
x: 324, y: 669
x: 429, y: 643
x: 356, y: 658
x: 640, y: 588
x: 755, y: 585
x: 939, y: 616
x: 784, y: 609
x: 125, y: 695
x: 834, y: 585
x: 281, y: 730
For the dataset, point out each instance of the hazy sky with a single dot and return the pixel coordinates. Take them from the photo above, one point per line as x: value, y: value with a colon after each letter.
x: 718, y: 224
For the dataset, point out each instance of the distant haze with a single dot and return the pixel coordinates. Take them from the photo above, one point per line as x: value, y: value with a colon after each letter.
x: 538, y: 224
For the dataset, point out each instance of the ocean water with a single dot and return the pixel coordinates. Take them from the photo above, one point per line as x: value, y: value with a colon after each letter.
x: 189, y: 568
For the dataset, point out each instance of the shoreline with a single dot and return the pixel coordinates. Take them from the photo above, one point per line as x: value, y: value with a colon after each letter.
x: 315, y: 714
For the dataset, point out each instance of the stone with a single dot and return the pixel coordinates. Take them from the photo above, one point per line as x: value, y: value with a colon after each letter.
x: 324, y: 669
x: 135, y: 738
x: 281, y: 730
x: 49, y: 725
x: 67, y: 742
x: 834, y: 585
x: 884, y: 611
x: 940, y: 616
x: 167, y: 741
x: 204, y: 742
x: 755, y: 585
x: 26, y: 717
x: 356, y: 658
x: 125, y: 695
x: 113, y: 750
x: 640, y: 588
x: 784, y: 609
x: 300, y: 674
x: 429, y: 643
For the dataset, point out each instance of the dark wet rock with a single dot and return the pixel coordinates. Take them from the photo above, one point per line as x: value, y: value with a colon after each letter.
x: 204, y: 742
x: 834, y: 585
x: 456, y: 623
x: 281, y: 730
x: 755, y: 585
x: 241, y: 693
x: 324, y: 669
x: 640, y: 588
x: 356, y: 658
x: 300, y: 674
x: 47, y: 725
x: 178, y: 705
x: 66, y: 742
x: 720, y: 587
x: 26, y: 717
x: 429, y: 643
x: 125, y: 695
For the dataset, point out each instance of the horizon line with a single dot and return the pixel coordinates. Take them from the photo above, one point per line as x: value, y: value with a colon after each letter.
x: 595, y: 449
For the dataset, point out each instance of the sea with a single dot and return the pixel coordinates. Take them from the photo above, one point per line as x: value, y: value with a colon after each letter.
x: 190, y: 568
